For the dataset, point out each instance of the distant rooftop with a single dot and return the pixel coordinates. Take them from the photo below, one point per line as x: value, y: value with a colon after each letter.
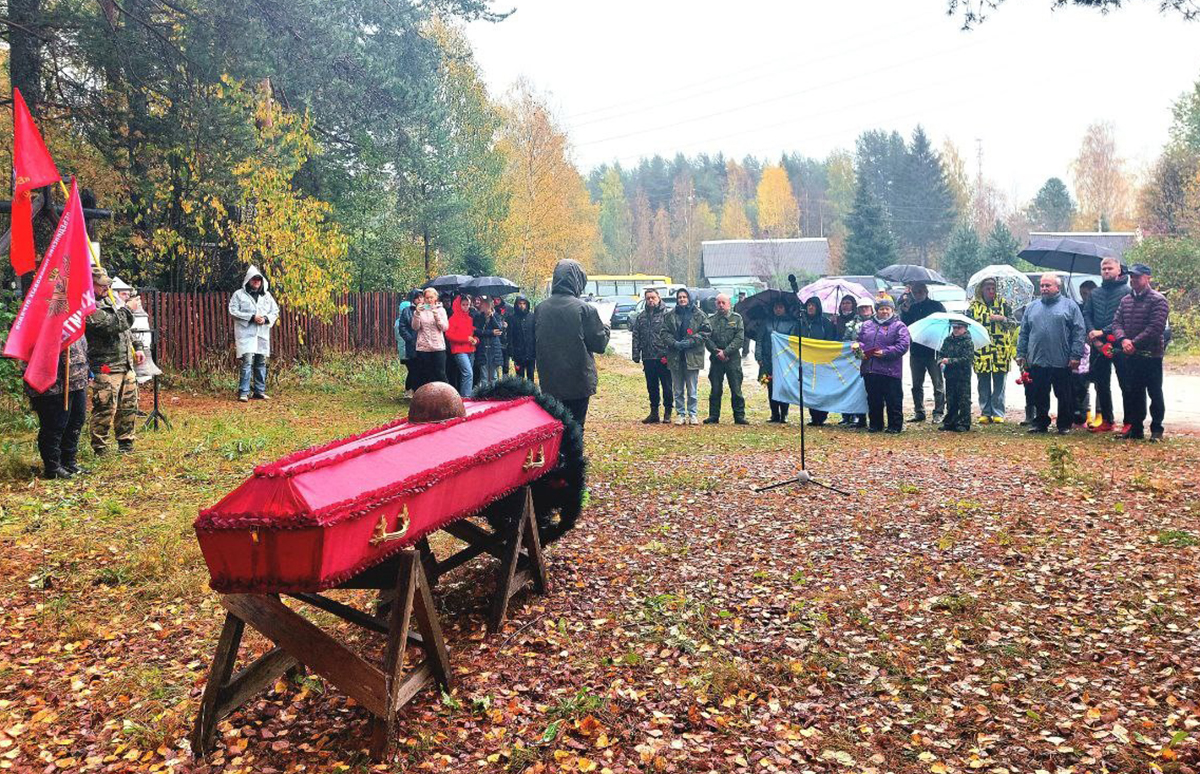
x: 764, y: 258
x: 1119, y: 242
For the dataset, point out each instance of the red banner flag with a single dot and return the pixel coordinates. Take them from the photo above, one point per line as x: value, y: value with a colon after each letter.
x: 59, y: 301
x: 32, y: 168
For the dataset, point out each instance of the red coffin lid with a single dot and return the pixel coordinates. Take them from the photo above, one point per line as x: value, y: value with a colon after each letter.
x: 325, y: 484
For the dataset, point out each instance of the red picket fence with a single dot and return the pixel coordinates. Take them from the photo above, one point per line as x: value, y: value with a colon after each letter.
x: 196, y: 331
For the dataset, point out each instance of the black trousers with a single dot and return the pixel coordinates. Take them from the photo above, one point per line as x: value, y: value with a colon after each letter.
x: 578, y: 409
x: 59, y: 426
x: 1100, y: 370
x: 1045, y: 379
x: 431, y: 367
x: 658, y: 384
x: 1144, y: 378
x: 1082, y: 402
x: 525, y: 370
x: 818, y: 416
x: 884, y: 392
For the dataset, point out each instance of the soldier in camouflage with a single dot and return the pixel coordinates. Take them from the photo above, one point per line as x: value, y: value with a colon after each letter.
x: 112, y: 354
x: 958, y: 354
x: 724, y: 346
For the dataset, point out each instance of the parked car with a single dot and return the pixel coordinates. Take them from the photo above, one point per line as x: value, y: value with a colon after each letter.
x: 622, y: 314
x: 1071, y: 282
x: 953, y: 297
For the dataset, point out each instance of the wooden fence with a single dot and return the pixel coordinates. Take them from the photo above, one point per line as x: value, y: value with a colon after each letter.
x: 196, y: 331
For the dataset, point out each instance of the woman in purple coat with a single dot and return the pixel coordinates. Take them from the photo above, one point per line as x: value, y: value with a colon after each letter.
x: 882, y: 342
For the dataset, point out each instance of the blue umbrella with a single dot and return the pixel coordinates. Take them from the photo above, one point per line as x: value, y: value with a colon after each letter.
x: 933, y: 330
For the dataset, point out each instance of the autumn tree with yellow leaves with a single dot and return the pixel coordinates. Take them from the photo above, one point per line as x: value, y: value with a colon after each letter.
x: 288, y: 235
x: 778, y: 213
x: 550, y: 214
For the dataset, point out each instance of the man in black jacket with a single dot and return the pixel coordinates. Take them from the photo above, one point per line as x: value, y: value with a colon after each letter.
x: 921, y: 359
x: 1098, y: 311
x: 568, y: 332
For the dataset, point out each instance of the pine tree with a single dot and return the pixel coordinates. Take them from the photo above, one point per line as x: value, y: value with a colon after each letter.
x: 1001, y: 247
x: 869, y: 244
x: 964, y: 255
x: 1052, y: 208
x: 925, y: 210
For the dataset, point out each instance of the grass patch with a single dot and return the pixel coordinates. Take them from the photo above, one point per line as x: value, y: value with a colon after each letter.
x: 1177, y: 538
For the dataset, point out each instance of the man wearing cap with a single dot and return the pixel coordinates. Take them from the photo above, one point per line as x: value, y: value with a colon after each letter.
x: 112, y: 355
x: 1050, y: 347
x: 922, y: 360
x: 1138, y: 327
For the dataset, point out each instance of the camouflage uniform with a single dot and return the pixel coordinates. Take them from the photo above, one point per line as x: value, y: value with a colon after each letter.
x: 728, y: 336
x: 111, y: 358
x: 960, y: 354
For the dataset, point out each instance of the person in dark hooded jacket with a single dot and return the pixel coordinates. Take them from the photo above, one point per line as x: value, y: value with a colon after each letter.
x: 521, y: 344
x: 815, y: 325
x: 568, y: 332
x: 406, y: 337
x: 779, y: 322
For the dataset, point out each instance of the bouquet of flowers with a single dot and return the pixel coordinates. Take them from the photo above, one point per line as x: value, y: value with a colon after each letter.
x: 1024, y: 378
x: 765, y: 379
x: 1106, y: 348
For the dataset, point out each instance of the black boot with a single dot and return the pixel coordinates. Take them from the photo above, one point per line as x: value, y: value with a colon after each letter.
x: 652, y: 419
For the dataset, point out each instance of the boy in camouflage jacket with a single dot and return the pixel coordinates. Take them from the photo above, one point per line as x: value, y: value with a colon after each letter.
x: 958, y: 354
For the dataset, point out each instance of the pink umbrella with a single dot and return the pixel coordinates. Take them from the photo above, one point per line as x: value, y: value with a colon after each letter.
x: 831, y: 291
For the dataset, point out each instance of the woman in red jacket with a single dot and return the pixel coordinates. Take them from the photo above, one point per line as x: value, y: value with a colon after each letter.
x: 461, y: 337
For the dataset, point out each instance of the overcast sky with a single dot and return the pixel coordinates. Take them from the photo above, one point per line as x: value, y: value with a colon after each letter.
x: 631, y: 78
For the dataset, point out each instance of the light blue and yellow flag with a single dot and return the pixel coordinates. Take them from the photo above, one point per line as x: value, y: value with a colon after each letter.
x: 828, y: 370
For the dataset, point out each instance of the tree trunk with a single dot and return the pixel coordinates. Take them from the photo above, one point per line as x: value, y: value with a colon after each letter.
x: 25, y: 51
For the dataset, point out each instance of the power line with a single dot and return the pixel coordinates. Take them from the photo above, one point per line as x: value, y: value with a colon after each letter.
x: 706, y: 87
x: 772, y: 100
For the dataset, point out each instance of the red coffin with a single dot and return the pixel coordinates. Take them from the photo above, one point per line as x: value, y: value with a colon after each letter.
x: 320, y: 516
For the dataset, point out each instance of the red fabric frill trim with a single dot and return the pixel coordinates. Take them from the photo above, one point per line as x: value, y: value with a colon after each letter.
x: 359, y: 504
x: 276, y: 468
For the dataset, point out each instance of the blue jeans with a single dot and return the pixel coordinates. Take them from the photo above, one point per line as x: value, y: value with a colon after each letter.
x: 991, y: 394
x: 257, y: 363
x: 685, y: 382
x: 490, y: 361
x: 465, y: 376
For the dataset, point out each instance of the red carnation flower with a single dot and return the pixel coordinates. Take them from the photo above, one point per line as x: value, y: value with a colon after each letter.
x: 104, y: 369
x: 664, y: 361
x: 689, y: 331
x: 1111, y: 337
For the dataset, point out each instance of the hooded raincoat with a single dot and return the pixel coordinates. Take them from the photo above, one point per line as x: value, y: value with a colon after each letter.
x: 249, y: 337
x: 995, y: 357
x: 568, y: 332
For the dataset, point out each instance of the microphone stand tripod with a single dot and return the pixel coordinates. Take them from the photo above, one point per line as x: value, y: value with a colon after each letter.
x: 156, y: 415
x: 803, y: 477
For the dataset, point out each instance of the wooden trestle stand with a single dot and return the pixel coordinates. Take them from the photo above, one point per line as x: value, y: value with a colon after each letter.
x: 404, y: 583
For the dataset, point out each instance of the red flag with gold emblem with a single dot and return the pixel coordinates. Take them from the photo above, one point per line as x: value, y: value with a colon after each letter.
x: 59, y: 301
x: 32, y: 169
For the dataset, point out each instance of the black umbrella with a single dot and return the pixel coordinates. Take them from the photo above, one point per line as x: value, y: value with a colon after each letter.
x: 448, y: 283
x: 1069, y: 255
x: 760, y: 306
x: 904, y: 273
x: 490, y: 286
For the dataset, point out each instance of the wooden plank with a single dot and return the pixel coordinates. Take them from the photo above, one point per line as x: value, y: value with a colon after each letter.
x: 383, y: 727
x: 312, y: 647
x: 218, y: 674
x: 252, y: 680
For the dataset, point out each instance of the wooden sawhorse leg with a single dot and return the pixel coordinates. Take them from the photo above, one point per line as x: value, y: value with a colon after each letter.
x: 298, y: 641
x: 524, y: 542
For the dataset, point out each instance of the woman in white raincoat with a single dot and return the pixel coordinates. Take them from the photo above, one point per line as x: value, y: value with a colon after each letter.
x: 254, y: 311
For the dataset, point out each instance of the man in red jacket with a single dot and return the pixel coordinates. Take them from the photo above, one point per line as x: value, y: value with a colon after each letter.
x: 1138, y: 327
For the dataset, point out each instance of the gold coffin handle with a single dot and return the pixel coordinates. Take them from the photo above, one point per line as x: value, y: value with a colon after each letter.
x: 539, y: 462
x: 381, y: 534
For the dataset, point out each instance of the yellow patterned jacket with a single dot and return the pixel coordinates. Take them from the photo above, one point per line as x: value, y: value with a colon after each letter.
x: 996, y: 357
